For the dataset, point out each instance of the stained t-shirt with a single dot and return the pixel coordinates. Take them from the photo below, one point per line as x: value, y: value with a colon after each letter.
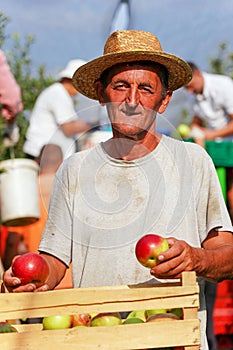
x: 100, y: 207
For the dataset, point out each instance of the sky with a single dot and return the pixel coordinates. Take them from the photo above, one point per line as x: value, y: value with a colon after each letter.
x: 64, y: 30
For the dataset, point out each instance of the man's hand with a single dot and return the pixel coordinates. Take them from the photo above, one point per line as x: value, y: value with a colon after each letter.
x: 178, y: 258
x: 10, y: 112
x: 13, y: 284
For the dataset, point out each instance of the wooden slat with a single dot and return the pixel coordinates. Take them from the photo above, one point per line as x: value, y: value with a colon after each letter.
x: 77, y: 300
x: 183, y: 294
x: 138, y: 336
x: 32, y: 310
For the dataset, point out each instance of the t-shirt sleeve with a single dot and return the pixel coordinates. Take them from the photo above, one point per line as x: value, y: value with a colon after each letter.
x: 62, y: 106
x: 57, y: 235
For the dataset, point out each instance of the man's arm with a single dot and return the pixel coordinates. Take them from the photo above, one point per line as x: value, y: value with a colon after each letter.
x: 226, y: 131
x: 74, y: 127
x: 213, y: 261
x: 197, y: 121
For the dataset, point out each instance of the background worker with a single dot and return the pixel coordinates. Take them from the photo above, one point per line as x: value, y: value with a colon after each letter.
x: 212, y: 112
x: 54, y: 119
x: 107, y: 197
x: 11, y: 105
x: 212, y: 116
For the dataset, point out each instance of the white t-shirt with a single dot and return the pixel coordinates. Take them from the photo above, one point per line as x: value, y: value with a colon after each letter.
x: 53, y: 107
x: 216, y: 102
x: 101, y: 206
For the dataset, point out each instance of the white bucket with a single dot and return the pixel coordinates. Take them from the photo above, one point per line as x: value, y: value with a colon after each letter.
x: 19, y: 192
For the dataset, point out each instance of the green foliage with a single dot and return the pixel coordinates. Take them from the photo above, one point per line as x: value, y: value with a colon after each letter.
x: 31, y: 83
x: 3, y: 23
x: 21, y: 66
x: 223, y: 62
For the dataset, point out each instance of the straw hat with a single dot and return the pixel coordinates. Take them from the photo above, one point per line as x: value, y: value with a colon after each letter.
x: 128, y: 46
x: 70, y: 68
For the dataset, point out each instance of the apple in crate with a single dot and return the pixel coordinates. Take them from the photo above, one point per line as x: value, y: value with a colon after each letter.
x: 6, y: 327
x: 178, y: 311
x: 106, y: 319
x: 162, y: 317
x: 81, y: 320
x: 137, y: 314
x: 148, y: 249
x: 31, y: 268
x: 149, y: 313
x: 57, y: 322
x: 133, y: 320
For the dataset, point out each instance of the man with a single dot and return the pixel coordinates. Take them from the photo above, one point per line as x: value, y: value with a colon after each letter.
x: 54, y: 118
x: 212, y: 112
x: 105, y: 198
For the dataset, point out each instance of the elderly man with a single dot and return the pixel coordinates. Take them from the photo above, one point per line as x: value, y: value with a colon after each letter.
x: 105, y: 198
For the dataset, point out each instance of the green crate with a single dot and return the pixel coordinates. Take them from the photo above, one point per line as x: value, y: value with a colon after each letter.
x: 221, y: 152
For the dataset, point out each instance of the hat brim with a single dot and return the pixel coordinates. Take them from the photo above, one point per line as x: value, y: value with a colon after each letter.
x: 179, y: 72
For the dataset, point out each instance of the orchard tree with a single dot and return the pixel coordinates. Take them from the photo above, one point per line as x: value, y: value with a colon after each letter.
x: 32, y: 84
x: 223, y: 62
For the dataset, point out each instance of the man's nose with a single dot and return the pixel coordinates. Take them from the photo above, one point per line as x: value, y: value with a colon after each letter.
x: 133, y: 97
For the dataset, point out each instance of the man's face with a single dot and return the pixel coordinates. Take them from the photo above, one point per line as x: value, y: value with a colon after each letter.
x: 196, y: 85
x: 133, y: 96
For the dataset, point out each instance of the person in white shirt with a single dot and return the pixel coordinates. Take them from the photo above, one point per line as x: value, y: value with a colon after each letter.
x: 54, y: 119
x: 212, y: 112
x: 212, y: 118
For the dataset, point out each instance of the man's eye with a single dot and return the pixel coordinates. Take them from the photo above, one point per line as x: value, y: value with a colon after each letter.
x: 146, y: 90
x: 119, y: 86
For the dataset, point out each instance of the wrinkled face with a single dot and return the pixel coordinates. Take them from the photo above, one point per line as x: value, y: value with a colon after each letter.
x: 133, y: 95
x: 196, y: 85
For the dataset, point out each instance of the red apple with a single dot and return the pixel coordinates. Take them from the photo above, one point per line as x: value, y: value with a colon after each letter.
x: 149, y: 313
x: 162, y: 317
x: 106, y: 319
x: 81, y: 320
x: 148, y: 249
x: 57, y: 322
x: 31, y: 268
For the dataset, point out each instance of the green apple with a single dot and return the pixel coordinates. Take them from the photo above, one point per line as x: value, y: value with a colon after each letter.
x: 133, y: 320
x: 178, y: 311
x: 149, y: 313
x: 106, y: 319
x: 57, y: 322
x: 184, y: 130
x: 6, y: 327
x: 137, y: 314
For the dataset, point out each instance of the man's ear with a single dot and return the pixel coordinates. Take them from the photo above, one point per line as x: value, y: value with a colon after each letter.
x: 99, y: 91
x: 165, y: 102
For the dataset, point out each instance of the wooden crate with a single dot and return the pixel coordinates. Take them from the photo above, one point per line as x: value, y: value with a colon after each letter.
x: 181, y: 333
